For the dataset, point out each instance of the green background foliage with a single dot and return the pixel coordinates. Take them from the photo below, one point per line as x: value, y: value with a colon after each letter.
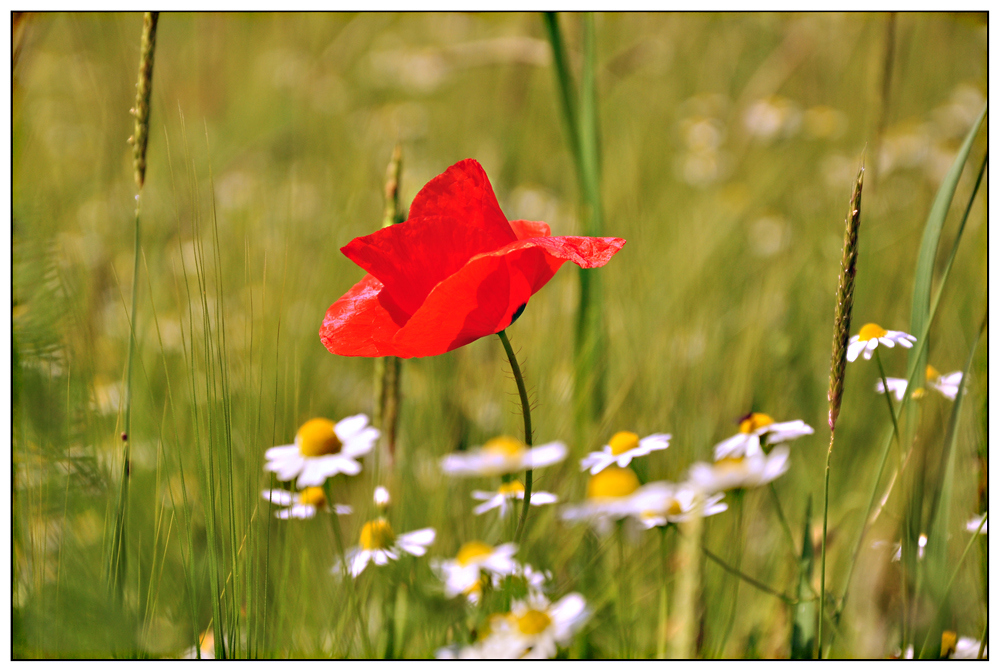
x: 729, y: 145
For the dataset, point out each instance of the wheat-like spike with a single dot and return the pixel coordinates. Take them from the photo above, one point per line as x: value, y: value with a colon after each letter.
x: 143, y: 88
x: 392, y: 212
x: 845, y: 301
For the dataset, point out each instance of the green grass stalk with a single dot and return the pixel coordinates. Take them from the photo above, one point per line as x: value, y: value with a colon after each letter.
x: 388, y: 369
x: 838, y: 365
x: 139, y: 141
x: 580, y: 117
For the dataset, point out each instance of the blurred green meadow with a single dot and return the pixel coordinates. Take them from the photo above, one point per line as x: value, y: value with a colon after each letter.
x: 729, y: 144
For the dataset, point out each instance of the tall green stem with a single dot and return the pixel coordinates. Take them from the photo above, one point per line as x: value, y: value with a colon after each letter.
x: 522, y: 392
x: 888, y: 395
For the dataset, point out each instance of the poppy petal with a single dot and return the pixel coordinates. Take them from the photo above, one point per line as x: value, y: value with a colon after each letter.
x: 482, y: 297
x: 464, y: 192
x: 362, y: 322
x: 410, y: 258
x: 524, y: 229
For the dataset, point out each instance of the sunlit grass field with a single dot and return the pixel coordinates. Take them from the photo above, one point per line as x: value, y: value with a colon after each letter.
x: 729, y: 145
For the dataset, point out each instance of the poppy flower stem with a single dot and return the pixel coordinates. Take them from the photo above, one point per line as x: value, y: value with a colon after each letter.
x: 522, y: 392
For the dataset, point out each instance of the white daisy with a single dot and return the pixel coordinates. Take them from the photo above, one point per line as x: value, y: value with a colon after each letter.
x: 973, y: 524
x: 381, y: 497
x: 947, y: 383
x: 535, y: 628
x: 533, y: 580
x: 869, y: 338
x: 379, y: 544
x: 502, y: 455
x: 614, y: 493
x: 464, y: 573
x: 966, y: 648
x: 502, y: 498
x: 622, y: 447
x: 302, y: 504
x: 323, y: 449
x: 897, y: 386
x: 754, y: 426
x: 678, y: 504
x: 740, y: 472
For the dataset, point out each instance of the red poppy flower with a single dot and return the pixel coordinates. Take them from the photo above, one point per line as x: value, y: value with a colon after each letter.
x: 455, y: 271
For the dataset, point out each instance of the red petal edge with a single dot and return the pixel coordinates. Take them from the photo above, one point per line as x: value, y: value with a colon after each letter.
x: 363, y: 322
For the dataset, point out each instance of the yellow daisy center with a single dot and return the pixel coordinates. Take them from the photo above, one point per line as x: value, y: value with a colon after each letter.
x: 475, y: 589
x: 317, y: 437
x: 511, y: 489
x: 623, y: 442
x: 613, y: 481
x: 533, y: 622
x: 471, y: 551
x: 932, y: 373
x: 729, y: 464
x: 755, y: 421
x: 504, y: 445
x: 314, y: 496
x: 675, y: 508
x: 377, y: 535
x: 949, y: 641
x: 870, y: 331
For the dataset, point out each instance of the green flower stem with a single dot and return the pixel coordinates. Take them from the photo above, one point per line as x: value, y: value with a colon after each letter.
x: 888, y: 395
x: 749, y: 579
x: 661, y: 631
x: 345, y: 571
x: 526, y: 412
x: 623, y: 597
x: 738, y: 496
x: 982, y: 637
x: 784, y: 521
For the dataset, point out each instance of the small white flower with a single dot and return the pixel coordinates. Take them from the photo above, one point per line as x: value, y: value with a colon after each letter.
x: 754, y: 426
x: 381, y: 497
x: 967, y: 648
x: 323, y: 449
x: 947, y: 383
x: 622, y: 447
x: 502, y: 455
x: 535, y: 628
x: 897, y: 386
x: 302, y: 504
x: 740, y: 472
x: 614, y: 493
x: 534, y: 580
x: 869, y: 338
x: 678, y: 504
x: 973, y: 524
x: 379, y: 544
x: 921, y: 544
x: 463, y: 574
x: 502, y: 498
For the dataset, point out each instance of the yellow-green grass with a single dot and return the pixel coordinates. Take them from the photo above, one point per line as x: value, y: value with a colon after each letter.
x: 269, y: 138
